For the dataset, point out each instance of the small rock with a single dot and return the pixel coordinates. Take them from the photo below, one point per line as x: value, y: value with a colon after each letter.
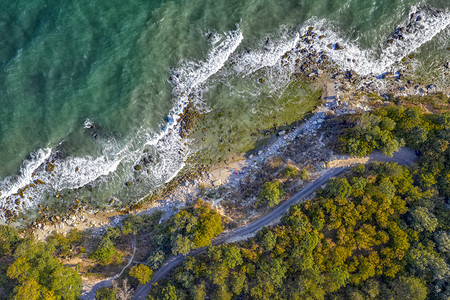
x: 337, y: 46
x: 281, y: 133
x: 260, y: 152
x: 50, y: 167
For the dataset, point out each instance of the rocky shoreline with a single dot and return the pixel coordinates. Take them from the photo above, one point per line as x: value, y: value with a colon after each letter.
x: 344, y: 91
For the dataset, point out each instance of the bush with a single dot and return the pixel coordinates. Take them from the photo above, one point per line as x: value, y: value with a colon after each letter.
x: 290, y: 172
x: 105, y: 253
x: 8, y: 238
x: 270, y: 193
x: 142, y: 273
x: 106, y: 294
x: 304, y: 174
x: 40, y: 275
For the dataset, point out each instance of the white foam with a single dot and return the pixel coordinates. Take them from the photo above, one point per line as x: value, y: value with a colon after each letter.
x: 367, y: 62
x: 269, y: 55
x: 88, y: 124
x: 190, y: 81
x: 76, y: 172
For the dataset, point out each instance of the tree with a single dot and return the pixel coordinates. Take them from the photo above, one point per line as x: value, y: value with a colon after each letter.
x: 183, y: 245
x: 106, y: 294
x: 209, y: 224
x: 290, y: 172
x: 156, y: 259
x: 106, y: 252
x: 36, y: 269
x: 268, y: 239
x: 338, y: 188
x: 169, y: 292
x: 199, y: 292
x: 8, y: 238
x: 237, y: 282
x: 30, y: 289
x: 408, y: 288
x: 423, y: 219
x: 270, y: 193
x: 442, y: 239
x: 232, y: 256
x: 142, y: 273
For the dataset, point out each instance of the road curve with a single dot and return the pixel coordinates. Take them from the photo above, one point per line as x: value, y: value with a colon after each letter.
x: 403, y: 157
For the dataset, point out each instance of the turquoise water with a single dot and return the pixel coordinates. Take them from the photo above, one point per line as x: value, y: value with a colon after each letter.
x: 94, y: 87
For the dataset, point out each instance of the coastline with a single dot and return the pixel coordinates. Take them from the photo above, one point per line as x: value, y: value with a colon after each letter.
x: 343, y: 91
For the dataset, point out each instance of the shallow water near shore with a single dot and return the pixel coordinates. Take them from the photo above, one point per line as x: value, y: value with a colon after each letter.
x: 91, y: 92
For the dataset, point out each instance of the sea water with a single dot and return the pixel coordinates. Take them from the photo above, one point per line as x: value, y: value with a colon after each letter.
x: 94, y: 89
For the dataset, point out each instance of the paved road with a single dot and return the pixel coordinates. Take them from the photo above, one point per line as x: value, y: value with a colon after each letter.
x: 404, y: 157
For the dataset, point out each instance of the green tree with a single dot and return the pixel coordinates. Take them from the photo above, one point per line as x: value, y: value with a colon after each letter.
x: 8, y: 238
x: 424, y: 220
x: 106, y: 253
x: 199, y: 292
x: 270, y: 193
x: 36, y: 269
x: 408, y: 288
x: 290, y: 172
x: 30, y: 289
x: 142, y: 273
x: 183, y: 245
x: 106, y: 294
x: 338, y: 188
x: 232, y: 256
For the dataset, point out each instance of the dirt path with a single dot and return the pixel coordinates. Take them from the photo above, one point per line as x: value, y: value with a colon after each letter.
x: 90, y: 289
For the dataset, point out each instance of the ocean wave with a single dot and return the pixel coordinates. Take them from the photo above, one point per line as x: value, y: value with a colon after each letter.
x: 423, y: 26
x: 36, y: 178
x: 274, y: 58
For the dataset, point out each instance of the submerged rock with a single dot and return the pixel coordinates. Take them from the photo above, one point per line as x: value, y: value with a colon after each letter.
x: 50, y: 167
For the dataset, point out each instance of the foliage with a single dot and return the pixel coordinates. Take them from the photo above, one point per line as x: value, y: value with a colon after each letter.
x: 69, y: 244
x: 8, y: 238
x: 194, y: 227
x: 142, y: 273
x: 106, y: 294
x: 290, y: 172
x: 358, y: 239
x: 106, y: 253
x: 270, y: 193
x: 40, y: 275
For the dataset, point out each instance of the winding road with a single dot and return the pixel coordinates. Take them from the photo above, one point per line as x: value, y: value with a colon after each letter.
x: 404, y: 156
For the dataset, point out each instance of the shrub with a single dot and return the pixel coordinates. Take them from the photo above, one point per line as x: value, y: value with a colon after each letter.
x: 105, y: 253
x: 106, y: 294
x: 304, y: 174
x: 142, y: 273
x: 290, y: 172
x: 270, y: 193
x: 8, y: 238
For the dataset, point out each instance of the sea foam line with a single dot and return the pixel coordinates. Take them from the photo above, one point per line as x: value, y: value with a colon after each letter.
x: 367, y: 62
x: 76, y: 172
